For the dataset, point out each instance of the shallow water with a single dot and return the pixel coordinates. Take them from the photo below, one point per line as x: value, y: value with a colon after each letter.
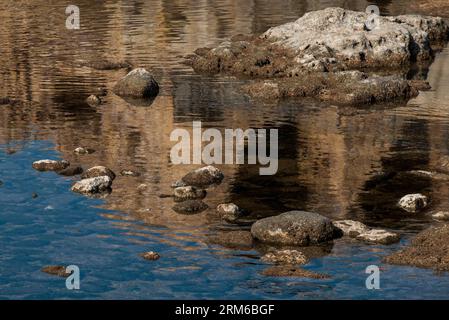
x: 330, y: 159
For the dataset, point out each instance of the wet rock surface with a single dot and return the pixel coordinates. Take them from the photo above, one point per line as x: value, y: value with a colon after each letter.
x: 190, y: 207
x: 413, y: 203
x: 229, y: 212
x: 94, y: 185
x: 50, y: 165
x: 379, y: 236
x: 429, y: 249
x: 295, y: 228
x: 139, y: 83
x: 319, y: 55
x: 203, y: 177
x: 188, y: 193
x: 98, y: 171
x: 351, y: 228
x: 290, y: 257
x: 59, y: 271
x: 291, y: 271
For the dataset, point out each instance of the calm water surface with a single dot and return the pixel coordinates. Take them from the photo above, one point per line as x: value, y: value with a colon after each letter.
x: 330, y: 159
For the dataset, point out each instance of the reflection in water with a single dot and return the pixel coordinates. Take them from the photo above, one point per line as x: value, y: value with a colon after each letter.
x: 341, y: 162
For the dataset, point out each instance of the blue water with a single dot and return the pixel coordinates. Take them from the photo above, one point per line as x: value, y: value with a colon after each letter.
x: 62, y: 228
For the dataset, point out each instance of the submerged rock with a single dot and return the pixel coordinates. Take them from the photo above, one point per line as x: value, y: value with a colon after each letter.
x: 139, y: 83
x: 93, y: 185
x: 229, y: 212
x: 190, y: 207
x: 203, y: 177
x: 50, y: 165
x: 379, y: 236
x: 291, y: 257
x: 441, y: 215
x: 316, y: 52
x: 71, y: 171
x: 429, y: 249
x: 83, y: 150
x: 413, y: 202
x: 351, y: 228
x: 188, y: 193
x: 56, y: 271
x: 150, y: 255
x: 129, y: 173
x: 295, y: 228
x: 98, y: 171
x: 238, y: 239
x: 107, y: 65
x: 291, y: 271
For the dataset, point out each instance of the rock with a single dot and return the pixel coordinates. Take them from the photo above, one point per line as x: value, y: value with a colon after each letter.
x: 50, y: 165
x: 229, y: 212
x: 379, y: 236
x: 239, y: 239
x: 203, y: 177
x: 351, y: 228
x: 1, y: 183
x: 83, y: 150
x: 93, y: 185
x: 413, y: 202
x: 56, y: 271
x: 291, y: 271
x: 291, y: 257
x: 151, y: 255
x: 93, y: 100
x: 178, y: 184
x: 319, y: 54
x: 139, y: 83
x: 34, y: 195
x: 98, y: 171
x: 188, y: 193
x: 190, y: 207
x: 129, y: 173
x: 441, y: 215
x: 429, y: 249
x: 142, y: 187
x: 295, y: 228
x: 71, y: 171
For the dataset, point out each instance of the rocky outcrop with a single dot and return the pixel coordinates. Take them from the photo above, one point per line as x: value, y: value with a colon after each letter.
x: 312, y: 56
x: 98, y: 171
x: 203, y: 177
x: 429, y: 249
x: 295, y: 228
x: 188, y: 193
x: 50, y: 165
x: 139, y: 83
x: 413, y: 202
x: 93, y: 185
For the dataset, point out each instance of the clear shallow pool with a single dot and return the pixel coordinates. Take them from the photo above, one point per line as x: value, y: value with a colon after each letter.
x: 329, y: 160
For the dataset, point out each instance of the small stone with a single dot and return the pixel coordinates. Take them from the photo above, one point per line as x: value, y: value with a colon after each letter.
x: 413, y: 202
x: 71, y: 171
x: 142, y: 187
x: 1, y: 183
x: 291, y: 271
x: 98, y: 171
x: 291, y: 257
x: 188, y: 193
x: 34, y: 195
x: 83, y: 150
x: 93, y: 185
x: 129, y: 173
x: 178, y: 184
x: 203, y: 177
x: 229, y: 212
x: 151, y: 255
x: 379, y: 236
x: 56, y: 271
x: 441, y: 215
x: 93, y: 100
x: 50, y: 165
x: 351, y: 228
x: 190, y: 207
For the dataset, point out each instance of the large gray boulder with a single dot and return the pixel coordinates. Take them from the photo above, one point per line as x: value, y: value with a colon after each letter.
x: 139, y: 83
x: 299, y: 228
